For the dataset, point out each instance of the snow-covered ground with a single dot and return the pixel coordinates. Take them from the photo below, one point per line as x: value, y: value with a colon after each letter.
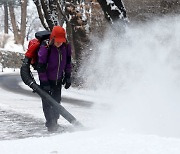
x: 133, y: 81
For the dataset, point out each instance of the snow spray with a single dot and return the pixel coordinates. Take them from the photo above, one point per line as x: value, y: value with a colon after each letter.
x: 137, y: 74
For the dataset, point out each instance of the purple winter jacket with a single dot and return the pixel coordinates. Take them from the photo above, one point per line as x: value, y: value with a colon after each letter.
x: 56, y: 60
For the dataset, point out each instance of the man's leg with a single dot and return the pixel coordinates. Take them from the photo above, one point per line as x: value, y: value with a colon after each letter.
x: 57, y: 96
x: 48, y: 112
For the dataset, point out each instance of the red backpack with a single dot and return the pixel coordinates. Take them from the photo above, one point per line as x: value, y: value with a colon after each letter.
x: 34, y: 45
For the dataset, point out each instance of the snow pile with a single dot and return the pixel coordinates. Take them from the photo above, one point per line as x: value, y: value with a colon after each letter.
x: 7, y: 43
x: 11, y: 46
x: 93, y: 142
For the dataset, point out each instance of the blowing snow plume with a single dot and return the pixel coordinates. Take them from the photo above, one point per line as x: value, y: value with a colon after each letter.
x: 137, y: 74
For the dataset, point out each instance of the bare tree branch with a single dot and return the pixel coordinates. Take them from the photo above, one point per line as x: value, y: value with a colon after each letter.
x: 40, y: 13
x: 46, y: 9
x: 113, y: 10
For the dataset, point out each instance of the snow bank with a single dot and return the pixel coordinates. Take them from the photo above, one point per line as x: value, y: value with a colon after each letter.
x: 93, y: 142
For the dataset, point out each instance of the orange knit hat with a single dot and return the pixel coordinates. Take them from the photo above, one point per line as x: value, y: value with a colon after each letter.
x: 58, y: 34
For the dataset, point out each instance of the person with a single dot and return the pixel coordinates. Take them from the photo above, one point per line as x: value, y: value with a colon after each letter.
x: 54, y: 70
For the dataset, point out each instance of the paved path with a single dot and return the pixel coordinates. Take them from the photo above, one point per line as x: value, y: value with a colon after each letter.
x: 11, y: 83
x: 16, y: 126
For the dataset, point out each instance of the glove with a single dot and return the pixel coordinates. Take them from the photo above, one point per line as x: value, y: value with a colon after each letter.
x: 46, y: 87
x: 66, y: 81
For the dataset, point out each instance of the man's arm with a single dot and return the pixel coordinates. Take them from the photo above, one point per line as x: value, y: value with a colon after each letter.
x: 42, y: 63
x: 68, y: 60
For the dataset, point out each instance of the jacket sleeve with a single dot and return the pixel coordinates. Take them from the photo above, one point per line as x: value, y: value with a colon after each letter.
x: 42, y: 63
x: 68, y: 60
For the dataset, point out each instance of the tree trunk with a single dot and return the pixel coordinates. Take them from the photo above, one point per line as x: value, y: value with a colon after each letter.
x: 19, y: 33
x: 77, y: 28
x: 23, y: 20
x: 5, y: 18
x: 61, y: 16
x: 17, y: 36
x: 53, y: 11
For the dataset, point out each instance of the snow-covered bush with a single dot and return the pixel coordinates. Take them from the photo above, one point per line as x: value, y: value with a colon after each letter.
x: 3, y: 40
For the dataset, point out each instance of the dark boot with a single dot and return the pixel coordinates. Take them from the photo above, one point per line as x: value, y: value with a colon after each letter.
x: 52, y: 126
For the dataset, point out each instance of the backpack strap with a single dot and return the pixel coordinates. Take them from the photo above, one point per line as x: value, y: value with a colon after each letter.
x: 40, y: 67
x: 49, y: 50
x: 47, y: 45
